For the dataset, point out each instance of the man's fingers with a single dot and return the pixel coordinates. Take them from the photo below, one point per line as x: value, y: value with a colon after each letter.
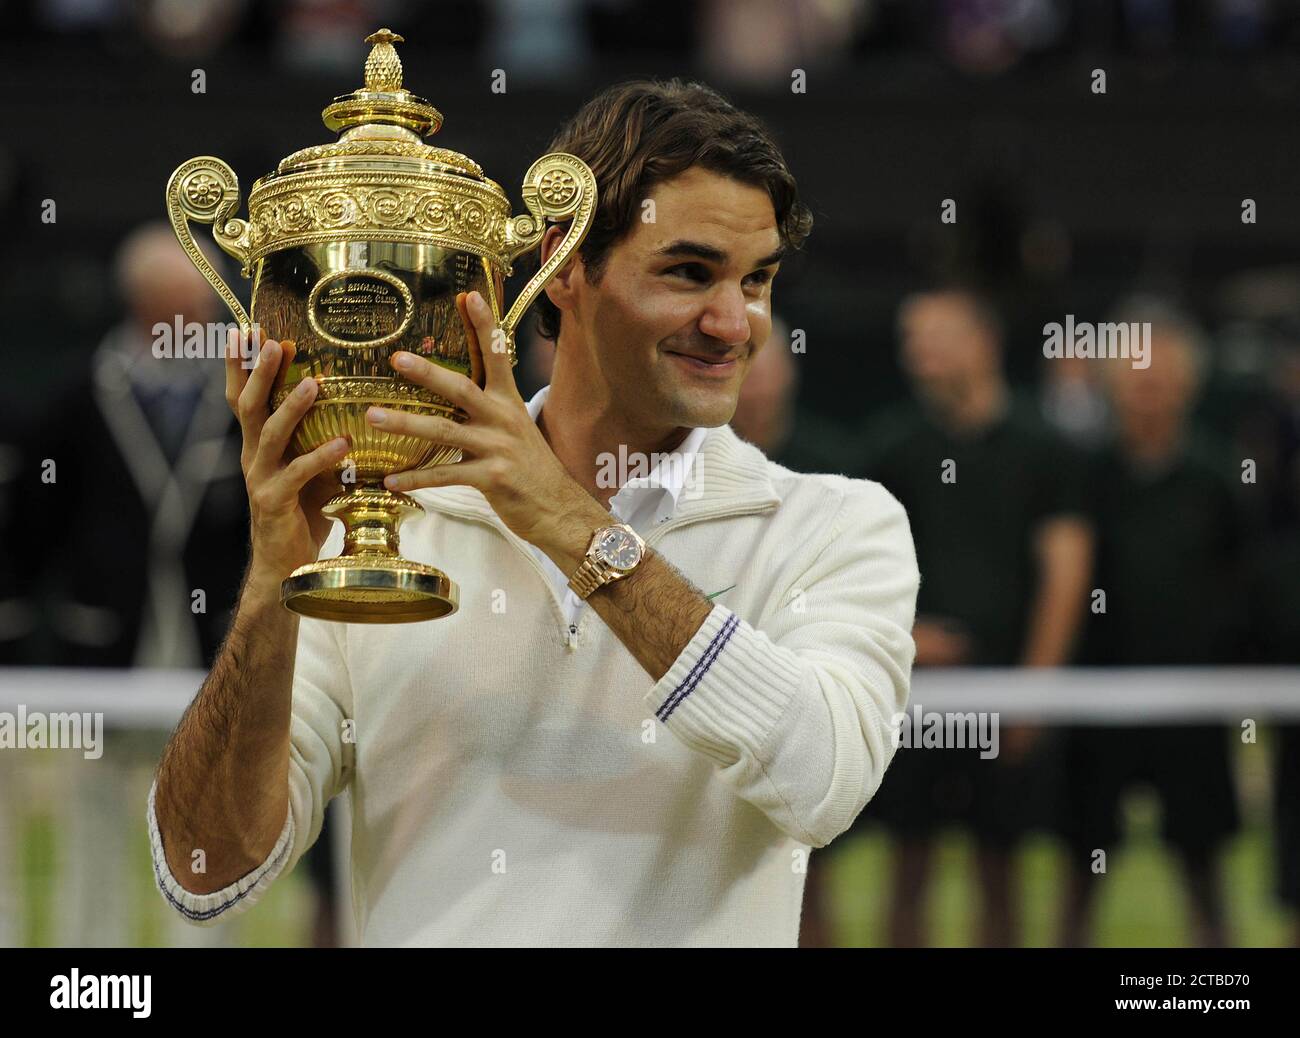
x: 450, y: 385
x: 474, y: 473
x: 306, y: 467
x: 278, y: 429
x: 493, y: 352
x: 253, y: 398
x: 236, y: 373
x: 495, y: 344
x: 477, y: 373
x: 440, y: 430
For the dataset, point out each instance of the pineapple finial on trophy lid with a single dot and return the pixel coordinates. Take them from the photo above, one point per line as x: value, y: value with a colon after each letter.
x: 383, y: 66
x: 383, y: 101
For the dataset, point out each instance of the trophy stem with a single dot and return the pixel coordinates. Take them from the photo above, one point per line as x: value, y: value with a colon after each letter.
x: 369, y: 581
x: 371, y: 517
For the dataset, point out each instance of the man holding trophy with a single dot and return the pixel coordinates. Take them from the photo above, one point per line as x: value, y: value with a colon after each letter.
x: 521, y: 772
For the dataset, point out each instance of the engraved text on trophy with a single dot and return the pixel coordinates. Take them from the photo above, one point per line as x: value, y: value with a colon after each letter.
x: 360, y: 309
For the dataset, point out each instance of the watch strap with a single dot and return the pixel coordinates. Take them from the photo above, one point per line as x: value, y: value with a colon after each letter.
x: 588, y: 577
x: 593, y: 573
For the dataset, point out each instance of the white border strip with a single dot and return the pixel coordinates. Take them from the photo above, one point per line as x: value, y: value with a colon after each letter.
x: 1077, y: 695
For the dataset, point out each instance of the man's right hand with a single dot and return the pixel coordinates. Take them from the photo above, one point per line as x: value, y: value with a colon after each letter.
x: 285, y: 493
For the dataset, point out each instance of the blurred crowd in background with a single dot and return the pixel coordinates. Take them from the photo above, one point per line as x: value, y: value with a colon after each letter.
x: 739, y: 39
x: 1174, y: 488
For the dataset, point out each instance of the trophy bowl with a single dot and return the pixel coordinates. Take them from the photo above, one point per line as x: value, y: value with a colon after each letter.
x: 357, y: 249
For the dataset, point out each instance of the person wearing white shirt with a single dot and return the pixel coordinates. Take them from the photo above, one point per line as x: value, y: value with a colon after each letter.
x: 654, y: 770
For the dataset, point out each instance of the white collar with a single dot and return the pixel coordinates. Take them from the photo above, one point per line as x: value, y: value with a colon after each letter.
x: 669, y: 483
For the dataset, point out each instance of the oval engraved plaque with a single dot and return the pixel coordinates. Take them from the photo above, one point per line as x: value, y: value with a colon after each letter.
x: 360, y: 309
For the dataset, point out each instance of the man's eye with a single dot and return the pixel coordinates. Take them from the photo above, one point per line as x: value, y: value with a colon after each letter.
x: 695, y: 272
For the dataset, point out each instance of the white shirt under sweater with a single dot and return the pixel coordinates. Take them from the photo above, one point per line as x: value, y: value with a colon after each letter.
x: 513, y: 785
x: 642, y: 502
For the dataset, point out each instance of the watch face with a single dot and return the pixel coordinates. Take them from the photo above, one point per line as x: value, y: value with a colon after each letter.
x: 618, y: 548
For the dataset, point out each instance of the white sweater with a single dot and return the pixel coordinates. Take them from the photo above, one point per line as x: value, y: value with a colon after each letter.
x: 511, y: 786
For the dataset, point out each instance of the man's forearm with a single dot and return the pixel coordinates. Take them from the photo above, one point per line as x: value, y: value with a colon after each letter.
x: 222, y: 786
x: 654, y: 610
x: 1064, y: 548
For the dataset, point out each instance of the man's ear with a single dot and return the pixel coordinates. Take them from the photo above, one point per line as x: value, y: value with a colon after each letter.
x: 559, y: 289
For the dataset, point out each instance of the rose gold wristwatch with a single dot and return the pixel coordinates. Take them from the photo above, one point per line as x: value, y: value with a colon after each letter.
x: 614, y: 552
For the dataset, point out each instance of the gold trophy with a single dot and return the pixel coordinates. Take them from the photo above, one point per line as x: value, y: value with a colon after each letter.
x: 358, y: 249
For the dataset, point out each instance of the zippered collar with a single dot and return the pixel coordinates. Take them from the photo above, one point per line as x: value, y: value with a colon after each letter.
x: 732, y: 478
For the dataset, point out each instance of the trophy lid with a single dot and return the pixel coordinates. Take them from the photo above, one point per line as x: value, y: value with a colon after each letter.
x: 382, y: 120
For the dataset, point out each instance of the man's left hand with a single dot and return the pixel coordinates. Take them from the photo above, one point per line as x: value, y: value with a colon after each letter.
x: 506, y: 456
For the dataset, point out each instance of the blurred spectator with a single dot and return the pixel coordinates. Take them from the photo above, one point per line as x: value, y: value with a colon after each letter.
x: 769, y: 415
x: 990, y: 36
x: 538, y: 39
x: 17, y: 615
x: 193, y: 29
x: 326, y: 37
x: 762, y: 42
x: 176, y: 30
x: 765, y: 408
x: 997, y: 513
x: 1268, y: 430
x: 1276, y: 614
x: 146, y: 496
x: 1074, y: 400
x: 1169, y: 563
x: 1275, y: 623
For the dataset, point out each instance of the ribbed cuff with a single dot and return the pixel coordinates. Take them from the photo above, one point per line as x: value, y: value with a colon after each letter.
x: 728, y: 687
x: 206, y: 909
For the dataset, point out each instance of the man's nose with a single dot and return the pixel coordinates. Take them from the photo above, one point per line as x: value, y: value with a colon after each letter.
x: 725, y: 318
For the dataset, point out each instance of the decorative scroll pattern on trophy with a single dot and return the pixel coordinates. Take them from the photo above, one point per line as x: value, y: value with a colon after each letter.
x: 557, y: 187
x: 206, y: 190
x: 442, y: 210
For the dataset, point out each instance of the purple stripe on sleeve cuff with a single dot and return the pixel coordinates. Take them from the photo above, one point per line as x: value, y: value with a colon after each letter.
x: 701, y: 668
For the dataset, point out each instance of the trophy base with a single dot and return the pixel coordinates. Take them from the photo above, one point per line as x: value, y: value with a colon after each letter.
x: 374, y: 589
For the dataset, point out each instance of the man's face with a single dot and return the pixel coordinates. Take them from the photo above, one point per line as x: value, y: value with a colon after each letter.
x: 695, y: 281
x: 944, y: 349
x: 1163, y: 391
x: 163, y: 283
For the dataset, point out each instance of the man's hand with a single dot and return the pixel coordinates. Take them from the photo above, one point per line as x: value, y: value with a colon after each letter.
x: 285, y: 493
x: 506, y: 456
x: 654, y: 611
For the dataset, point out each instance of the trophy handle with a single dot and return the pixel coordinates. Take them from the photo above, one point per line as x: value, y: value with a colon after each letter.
x: 556, y: 185
x: 206, y: 190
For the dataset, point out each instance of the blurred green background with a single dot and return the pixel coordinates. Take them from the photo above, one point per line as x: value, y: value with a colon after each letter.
x: 1141, y: 902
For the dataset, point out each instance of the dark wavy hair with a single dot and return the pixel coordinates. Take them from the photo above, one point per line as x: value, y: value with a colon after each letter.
x: 638, y: 134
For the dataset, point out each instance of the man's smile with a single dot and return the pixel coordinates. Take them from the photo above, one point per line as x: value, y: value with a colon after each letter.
x: 710, y: 368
